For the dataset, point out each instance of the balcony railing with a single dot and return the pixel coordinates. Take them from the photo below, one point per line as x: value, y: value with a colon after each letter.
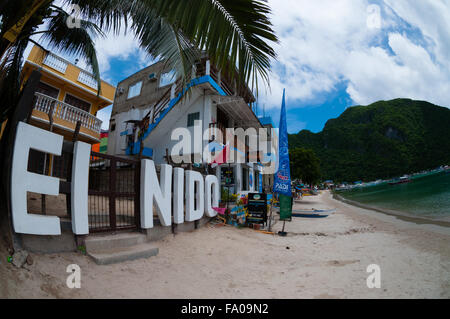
x: 200, y: 69
x: 55, y: 62
x: 88, y: 79
x: 67, y: 112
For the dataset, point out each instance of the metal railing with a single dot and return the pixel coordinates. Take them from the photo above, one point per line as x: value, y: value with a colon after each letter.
x: 114, y: 190
x: 199, y: 70
x: 67, y: 112
x: 55, y: 62
x: 223, y: 82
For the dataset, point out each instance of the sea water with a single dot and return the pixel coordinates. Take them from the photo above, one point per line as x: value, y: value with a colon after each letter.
x: 427, y: 196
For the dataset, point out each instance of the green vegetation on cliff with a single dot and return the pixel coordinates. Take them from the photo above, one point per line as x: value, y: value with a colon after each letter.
x: 383, y: 140
x: 305, y: 165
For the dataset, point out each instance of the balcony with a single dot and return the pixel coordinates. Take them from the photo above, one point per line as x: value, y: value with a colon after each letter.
x: 55, y: 62
x: 67, y: 113
x: 230, y: 87
x: 60, y: 70
x: 87, y: 79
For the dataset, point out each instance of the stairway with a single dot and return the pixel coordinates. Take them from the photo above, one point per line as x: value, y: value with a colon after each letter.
x: 116, y: 248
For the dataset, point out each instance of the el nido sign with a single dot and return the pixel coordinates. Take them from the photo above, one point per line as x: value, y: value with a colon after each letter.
x: 185, y: 203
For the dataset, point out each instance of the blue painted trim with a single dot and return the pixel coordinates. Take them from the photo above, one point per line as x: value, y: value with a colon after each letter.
x: 124, y: 133
x: 135, y: 147
x: 147, y: 151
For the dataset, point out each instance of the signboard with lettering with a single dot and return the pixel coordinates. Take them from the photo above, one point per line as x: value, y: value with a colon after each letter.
x: 257, y: 208
x: 227, y: 175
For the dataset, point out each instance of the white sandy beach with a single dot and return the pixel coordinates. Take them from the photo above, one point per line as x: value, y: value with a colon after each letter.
x: 320, y: 258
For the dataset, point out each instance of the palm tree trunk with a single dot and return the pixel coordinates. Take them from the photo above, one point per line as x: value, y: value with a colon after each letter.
x: 4, y: 45
x: 21, y: 113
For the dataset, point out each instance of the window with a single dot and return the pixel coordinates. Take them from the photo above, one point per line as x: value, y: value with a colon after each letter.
x: 245, y: 172
x: 47, y: 90
x: 192, y: 118
x: 167, y: 78
x: 78, y: 103
x: 134, y: 90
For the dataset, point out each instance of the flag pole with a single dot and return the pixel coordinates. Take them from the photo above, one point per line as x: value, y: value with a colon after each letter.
x: 270, y: 216
x: 282, y: 181
x: 282, y: 233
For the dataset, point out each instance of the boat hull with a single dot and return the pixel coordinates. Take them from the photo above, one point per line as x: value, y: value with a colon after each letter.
x: 401, y: 182
x: 309, y: 215
x: 317, y: 213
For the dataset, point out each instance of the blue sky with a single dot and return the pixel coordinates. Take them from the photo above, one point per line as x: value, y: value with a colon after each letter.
x: 313, y: 115
x: 334, y: 54
x: 338, y: 53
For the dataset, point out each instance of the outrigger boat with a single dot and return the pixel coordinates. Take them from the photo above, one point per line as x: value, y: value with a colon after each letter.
x: 314, y: 213
x: 402, y: 180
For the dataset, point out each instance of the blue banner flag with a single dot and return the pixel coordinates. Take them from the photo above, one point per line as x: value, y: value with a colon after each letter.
x: 282, y: 181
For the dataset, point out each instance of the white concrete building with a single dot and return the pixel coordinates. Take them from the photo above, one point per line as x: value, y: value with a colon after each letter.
x: 150, y: 104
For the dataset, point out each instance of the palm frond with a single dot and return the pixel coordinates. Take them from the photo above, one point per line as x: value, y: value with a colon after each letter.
x: 12, y: 11
x: 11, y: 54
x: 10, y: 78
x: 107, y: 14
x: 234, y: 33
x: 163, y: 40
x: 76, y: 41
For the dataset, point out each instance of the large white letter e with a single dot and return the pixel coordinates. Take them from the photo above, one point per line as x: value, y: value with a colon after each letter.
x: 22, y: 181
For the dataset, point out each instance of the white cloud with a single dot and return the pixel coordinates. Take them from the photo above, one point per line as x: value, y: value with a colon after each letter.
x: 324, y: 43
x: 122, y: 47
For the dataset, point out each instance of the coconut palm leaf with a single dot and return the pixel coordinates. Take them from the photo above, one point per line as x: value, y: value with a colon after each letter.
x: 10, y: 78
x: 74, y: 41
x: 232, y: 32
x: 11, y: 54
x: 55, y: 33
x: 163, y: 40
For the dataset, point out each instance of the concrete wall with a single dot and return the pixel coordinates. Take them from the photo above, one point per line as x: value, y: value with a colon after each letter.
x: 51, y: 244
x: 160, y: 138
x: 135, y: 108
x: 159, y: 232
x: 150, y: 90
x: 66, y: 242
x: 117, y: 144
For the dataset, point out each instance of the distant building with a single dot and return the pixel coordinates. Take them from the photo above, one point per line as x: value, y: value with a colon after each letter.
x: 154, y: 94
x: 328, y: 183
x: 101, y: 147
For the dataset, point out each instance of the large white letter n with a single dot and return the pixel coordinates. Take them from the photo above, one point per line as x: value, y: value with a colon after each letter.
x: 22, y: 181
x: 152, y: 192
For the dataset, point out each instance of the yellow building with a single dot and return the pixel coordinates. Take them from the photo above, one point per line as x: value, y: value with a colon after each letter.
x: 71, y: 92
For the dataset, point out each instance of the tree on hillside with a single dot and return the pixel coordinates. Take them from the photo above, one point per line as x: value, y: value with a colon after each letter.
x: 305, y: 165
x: 383, y: 140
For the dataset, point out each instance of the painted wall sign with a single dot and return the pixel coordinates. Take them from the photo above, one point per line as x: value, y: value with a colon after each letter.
x: 28, y: 137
